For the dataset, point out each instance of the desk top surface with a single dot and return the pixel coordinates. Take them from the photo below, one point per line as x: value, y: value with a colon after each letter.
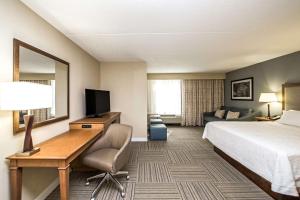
x: 107, y: 118
x: 62, y: 146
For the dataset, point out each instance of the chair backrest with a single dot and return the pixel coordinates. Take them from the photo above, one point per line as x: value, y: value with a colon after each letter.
x: 118, y: 135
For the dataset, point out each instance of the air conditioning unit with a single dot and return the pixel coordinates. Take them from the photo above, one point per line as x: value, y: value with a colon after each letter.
x: 171, y: 119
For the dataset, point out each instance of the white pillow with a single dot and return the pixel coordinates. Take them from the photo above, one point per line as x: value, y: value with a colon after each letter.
x: 220, y: 114
x: 232, y: 115
x: 291, y: 117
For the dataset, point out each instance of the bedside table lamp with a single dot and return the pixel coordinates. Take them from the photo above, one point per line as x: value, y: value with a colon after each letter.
x: 268, y: 98
x: 16, y: 96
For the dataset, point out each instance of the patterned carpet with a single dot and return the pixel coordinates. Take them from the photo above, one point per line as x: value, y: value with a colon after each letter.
x: 185, y: 167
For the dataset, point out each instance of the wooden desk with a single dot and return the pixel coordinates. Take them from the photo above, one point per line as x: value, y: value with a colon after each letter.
x: 57, y: 152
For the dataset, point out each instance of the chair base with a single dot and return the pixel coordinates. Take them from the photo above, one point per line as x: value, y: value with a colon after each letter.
x: 106, y: 177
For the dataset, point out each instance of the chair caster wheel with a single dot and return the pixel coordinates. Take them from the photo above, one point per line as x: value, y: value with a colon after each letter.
x: 127, y: 177
x: 123, y: 194
x: 87, y: 183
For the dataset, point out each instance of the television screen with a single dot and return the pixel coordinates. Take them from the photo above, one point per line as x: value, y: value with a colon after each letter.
x: 97, y: 102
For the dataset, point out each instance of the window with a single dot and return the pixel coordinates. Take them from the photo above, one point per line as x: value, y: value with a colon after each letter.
x: 164, y: 97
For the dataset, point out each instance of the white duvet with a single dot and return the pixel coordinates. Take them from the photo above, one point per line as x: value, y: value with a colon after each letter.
x: 269, y: 149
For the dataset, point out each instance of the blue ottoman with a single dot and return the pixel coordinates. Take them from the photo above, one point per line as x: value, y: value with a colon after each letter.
x: 156, y: 121
x: 158, y: 132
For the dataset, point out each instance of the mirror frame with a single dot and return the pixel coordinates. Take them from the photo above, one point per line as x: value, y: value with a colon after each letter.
x: 16, y: 77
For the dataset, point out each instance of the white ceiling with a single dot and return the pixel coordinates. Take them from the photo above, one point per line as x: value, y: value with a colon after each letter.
x: 178, y: 35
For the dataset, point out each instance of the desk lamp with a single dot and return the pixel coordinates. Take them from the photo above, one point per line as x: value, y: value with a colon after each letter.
x: 268, y: 98
x: 16, y: 96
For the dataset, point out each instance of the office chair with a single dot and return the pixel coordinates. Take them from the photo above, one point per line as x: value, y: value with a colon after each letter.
x: 110, y: 154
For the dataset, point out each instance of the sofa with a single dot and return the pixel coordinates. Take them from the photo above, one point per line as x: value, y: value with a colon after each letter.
x: 246, y: 114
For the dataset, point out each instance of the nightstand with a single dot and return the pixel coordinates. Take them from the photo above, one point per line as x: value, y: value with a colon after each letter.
x: 264, y: 118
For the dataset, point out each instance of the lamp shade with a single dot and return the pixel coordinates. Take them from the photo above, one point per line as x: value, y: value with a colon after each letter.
x: 268, y: 97
x: 24, y: 96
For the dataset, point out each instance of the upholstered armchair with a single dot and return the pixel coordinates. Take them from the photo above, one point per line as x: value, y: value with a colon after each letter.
x: 110, y: 154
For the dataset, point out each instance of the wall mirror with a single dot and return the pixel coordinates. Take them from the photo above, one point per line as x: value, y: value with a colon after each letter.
x: 34, y: 65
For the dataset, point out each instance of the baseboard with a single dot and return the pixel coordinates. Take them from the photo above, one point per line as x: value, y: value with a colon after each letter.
x: 48, y: 190
x: 139, y: 139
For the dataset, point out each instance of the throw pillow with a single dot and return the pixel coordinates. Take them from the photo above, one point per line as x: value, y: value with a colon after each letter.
x: 220, y: 114
x: 232, y: 115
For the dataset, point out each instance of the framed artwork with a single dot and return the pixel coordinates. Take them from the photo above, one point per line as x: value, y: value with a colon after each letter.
x: 242, y: 89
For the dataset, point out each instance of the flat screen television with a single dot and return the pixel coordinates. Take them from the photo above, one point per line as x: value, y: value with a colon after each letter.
x: 97, y: 102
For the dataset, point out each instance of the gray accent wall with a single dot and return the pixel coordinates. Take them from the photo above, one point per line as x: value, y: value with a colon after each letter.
x: 268, y: 77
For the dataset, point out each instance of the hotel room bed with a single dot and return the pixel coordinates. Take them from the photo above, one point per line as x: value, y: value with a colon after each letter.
x: 269, y: 149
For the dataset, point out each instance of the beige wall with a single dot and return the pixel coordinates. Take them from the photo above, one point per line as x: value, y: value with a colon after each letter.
x: 170, y: 76
x: 17, y: 21
x: 127, y: 83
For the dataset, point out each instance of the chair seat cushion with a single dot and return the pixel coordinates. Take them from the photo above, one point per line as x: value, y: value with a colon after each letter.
x: 101, y: 159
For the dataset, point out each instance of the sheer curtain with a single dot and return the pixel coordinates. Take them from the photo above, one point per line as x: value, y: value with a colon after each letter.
x: 164, y: 97
x: 200, y: 96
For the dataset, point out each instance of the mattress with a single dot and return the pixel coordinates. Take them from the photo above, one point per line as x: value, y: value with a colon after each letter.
x: 269, y: 149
